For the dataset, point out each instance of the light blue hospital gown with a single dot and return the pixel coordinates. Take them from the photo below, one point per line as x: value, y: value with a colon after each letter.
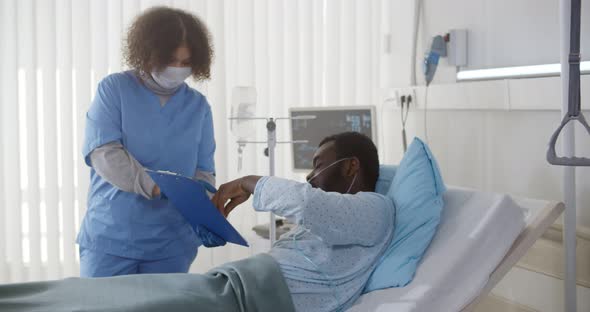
x: 338, y: 243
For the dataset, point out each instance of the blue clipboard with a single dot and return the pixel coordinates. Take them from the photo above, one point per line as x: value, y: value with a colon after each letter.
x: 191, y: 200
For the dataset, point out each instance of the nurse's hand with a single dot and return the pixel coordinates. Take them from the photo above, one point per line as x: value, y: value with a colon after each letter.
x: 156, y: 191
x: 234, y: 193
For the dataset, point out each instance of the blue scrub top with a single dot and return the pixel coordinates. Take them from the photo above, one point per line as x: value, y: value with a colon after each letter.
x: 177, y: 137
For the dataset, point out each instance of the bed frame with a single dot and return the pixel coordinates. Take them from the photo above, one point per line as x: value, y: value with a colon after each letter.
x: 534, y: 229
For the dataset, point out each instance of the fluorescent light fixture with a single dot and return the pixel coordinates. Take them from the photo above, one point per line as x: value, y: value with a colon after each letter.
x: 517, y: 72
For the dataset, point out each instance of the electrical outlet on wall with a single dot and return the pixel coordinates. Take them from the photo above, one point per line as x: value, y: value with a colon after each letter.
x: 410, y: 95
x: 390, y: 98
x: 414, y: 99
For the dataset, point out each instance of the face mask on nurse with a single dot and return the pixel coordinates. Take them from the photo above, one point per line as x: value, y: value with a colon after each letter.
x: 173, y: 75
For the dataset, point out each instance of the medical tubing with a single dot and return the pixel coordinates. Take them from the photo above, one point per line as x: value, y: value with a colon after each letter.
x: 426, y: 114
x: 332, y: 164
x: 404, y: 118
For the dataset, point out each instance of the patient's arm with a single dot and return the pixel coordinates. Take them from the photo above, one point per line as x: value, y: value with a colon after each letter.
x: 339, y: 219
x: 234, y: 193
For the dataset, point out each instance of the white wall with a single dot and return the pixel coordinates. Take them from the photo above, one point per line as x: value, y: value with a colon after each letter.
x: 517, y: 139
x: 493, y: 135
x: 502, y: 32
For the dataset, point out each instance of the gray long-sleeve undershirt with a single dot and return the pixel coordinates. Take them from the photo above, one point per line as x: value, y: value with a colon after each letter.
x: 114, y: 163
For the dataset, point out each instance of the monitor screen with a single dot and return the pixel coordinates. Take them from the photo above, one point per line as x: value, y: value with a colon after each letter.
x: 328, y: 121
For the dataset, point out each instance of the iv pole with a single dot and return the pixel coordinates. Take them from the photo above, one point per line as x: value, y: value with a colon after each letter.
x: 271, y: 143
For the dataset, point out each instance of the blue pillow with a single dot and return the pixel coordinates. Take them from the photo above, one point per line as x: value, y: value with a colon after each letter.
x: 416, y: 189
x: 386, y: 174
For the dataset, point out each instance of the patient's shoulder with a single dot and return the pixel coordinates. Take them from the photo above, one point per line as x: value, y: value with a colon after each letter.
x: 380, y: 210
x: 380, y: 202
x: 372, y: 196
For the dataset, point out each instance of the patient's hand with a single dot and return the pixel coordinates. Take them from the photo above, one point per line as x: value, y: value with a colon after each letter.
x: 234, y: 193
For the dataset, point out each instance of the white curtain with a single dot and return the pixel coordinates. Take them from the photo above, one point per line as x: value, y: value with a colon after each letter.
x: 54, y: 52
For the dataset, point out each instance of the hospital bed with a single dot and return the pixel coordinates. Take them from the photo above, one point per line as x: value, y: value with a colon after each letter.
x: 480, y: 238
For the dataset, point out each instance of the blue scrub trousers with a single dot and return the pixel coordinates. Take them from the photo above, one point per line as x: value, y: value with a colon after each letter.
x: 97, y: 264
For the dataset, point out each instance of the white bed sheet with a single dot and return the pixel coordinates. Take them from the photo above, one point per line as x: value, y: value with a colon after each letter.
x: 476, y: 231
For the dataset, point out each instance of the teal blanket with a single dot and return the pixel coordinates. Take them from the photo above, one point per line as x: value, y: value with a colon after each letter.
x: 253, y: 284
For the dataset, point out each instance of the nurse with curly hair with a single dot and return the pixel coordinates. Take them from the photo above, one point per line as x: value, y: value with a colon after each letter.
x: 148, y: 118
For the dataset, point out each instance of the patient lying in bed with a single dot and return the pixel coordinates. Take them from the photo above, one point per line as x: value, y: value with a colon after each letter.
x: 322, y: 265
x: 344, y: 227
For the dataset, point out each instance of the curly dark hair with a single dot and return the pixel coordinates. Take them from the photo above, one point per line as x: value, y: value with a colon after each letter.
x: 155, y: 35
